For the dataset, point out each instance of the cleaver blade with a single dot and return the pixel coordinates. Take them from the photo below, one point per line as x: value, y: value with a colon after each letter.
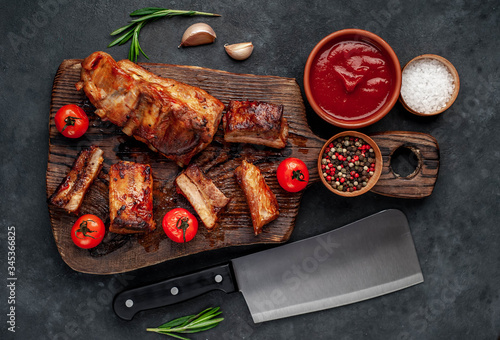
x: 362, y: 260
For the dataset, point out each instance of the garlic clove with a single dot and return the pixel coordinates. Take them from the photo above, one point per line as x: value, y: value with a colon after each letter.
x: 239, y: 51
x: 198, y: 34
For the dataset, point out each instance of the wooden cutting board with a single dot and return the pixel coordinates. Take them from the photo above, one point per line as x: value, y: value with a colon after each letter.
x: 118, y: 253
x: 218, y: 161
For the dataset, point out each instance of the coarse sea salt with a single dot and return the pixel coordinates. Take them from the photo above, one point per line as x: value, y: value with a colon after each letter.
x: 427, y: 85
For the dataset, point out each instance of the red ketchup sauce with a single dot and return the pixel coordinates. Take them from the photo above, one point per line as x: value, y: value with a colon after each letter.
x: 351, y: 80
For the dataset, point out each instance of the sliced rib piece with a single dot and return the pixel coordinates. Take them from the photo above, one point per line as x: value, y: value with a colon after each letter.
x: 202, y: 193
x: 130, y: 198
x: 261, y: 200
x: 172, y: 118
x: 256, y: 123
x: 70, y: 193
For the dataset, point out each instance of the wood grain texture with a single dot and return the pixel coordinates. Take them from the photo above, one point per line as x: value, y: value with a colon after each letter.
x: 124, y: 253
x: 421, y: 182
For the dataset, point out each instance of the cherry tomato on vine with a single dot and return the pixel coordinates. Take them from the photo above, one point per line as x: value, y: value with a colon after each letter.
x: 71, y: 121
x: 180, y: 225
x: 88, y: 231
x: 292, y: 174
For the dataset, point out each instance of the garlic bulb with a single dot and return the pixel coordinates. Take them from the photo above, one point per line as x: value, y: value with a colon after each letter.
x: 198, y: 34
x: 239, y: 51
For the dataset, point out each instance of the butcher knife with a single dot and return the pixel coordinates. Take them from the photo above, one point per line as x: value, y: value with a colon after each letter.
x: 359, y: 261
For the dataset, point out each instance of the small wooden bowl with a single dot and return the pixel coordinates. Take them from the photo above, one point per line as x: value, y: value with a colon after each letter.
x: 453, y: 72
x: 378, y: 164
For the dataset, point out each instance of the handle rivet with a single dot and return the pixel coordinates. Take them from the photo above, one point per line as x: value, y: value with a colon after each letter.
x: 129, y: 303
x: 218, y: 278
x: 174, y: 291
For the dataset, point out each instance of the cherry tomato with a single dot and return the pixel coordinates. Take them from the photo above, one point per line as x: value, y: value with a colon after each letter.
x: 180, y: 225
x: 71, y: 121
x: 292, y: 174
x: 88, y: 231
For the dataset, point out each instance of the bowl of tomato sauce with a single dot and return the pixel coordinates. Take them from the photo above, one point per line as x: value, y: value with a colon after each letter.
x: 352, y: 78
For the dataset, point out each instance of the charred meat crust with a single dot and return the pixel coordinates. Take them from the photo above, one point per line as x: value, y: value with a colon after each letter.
x: 203, y: 194
x: 70, y: 193
x: 261, y: 200
x: 256, y: 123
x: 130, y: 198
x: 172, y: 118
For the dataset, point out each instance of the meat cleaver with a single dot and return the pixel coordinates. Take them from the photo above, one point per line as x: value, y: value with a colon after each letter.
x: 362, y: 260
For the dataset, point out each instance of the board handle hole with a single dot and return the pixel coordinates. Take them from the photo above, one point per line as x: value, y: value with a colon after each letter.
x: 405, y: 162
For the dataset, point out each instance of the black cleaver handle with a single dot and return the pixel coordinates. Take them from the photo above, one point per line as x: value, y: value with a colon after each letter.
x: 127, y: 303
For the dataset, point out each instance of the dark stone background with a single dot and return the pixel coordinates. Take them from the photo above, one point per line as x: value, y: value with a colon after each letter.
x: 455, y: 229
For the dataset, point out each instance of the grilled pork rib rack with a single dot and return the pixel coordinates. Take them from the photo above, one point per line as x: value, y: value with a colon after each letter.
x: 172, y: 118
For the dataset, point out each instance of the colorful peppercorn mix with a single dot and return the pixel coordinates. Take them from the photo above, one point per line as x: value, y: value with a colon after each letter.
x: 348, y: 163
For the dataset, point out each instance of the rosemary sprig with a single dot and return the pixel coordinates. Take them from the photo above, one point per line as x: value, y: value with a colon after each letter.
x: 190, y: 324
x: 145, y: 15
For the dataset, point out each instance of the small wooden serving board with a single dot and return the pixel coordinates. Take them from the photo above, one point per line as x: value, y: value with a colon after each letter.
x: 120, y: 253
